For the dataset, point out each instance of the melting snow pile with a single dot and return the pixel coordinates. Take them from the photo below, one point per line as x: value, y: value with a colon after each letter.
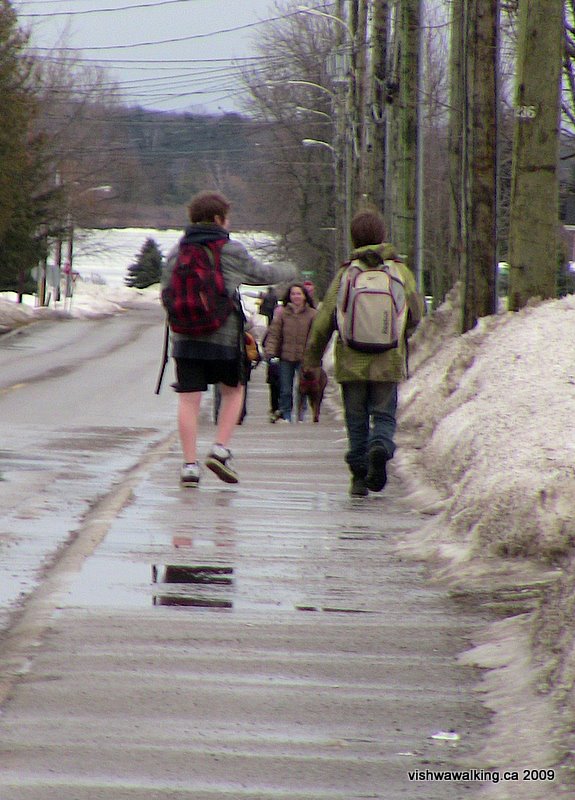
x: 490, y: 417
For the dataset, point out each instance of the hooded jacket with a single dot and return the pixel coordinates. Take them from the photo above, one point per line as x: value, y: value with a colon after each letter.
x: 352, y: 365
x: 238, y: 267
x: 288, y: 332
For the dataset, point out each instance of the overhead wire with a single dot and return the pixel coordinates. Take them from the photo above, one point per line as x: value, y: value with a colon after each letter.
x: 51, y: 14
x: 172, y: 40
x: 223, y: 85
x: 213, y: 78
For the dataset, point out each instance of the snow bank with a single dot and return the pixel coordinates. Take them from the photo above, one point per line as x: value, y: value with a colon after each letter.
x: 90, y: 301
x: 488, y: 417
x: 486, y: 442
x: 15, y: 315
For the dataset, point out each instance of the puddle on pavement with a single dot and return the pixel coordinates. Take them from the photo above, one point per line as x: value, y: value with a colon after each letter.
x: 202, y: 568
x: 110, y: 582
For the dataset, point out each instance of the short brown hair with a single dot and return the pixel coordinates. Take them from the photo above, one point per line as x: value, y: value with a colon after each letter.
x: 206, y: 206
x: 367, y: 227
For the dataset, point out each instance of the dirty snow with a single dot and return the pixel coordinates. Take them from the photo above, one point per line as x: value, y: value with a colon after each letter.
x: 487, y: 449
x: 486, y: 444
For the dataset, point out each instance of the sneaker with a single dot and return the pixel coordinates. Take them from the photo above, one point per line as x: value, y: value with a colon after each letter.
x: 190, y: 474
x: 219, y: 461
x: 358, y: 487
x: 377, y: 469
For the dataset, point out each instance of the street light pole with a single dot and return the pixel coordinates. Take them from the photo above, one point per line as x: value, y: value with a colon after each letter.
x: 345, y: 133
x: 316, y: 12
x: 70, y: 225
x: 343, y: 153
x: 319, y: 142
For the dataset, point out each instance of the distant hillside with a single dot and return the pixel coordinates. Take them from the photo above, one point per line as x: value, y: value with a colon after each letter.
x: 158, y: 161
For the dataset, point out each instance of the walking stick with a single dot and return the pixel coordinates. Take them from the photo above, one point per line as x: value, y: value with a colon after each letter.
x: 164, y: 358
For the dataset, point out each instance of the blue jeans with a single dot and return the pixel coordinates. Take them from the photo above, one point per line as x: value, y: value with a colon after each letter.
x: 370, y: 409
x: 288, y: 372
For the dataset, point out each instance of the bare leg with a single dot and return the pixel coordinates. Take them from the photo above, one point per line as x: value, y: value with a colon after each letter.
x: 188, y: 413
x: 230, y: 410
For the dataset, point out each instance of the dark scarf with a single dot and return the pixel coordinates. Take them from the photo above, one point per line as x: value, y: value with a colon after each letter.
x: 203, y: 232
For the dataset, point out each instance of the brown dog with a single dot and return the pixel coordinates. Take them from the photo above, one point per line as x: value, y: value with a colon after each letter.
x: 312, y: 385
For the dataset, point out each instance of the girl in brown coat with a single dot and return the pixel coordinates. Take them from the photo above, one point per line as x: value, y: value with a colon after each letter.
x: 286, y: 340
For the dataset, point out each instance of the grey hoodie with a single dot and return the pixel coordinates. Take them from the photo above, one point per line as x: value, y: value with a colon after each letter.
x: 238, y: 267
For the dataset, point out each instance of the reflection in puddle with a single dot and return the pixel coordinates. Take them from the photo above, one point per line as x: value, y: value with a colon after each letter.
x: 186, y: 600
x: 334, y: 610
x: 192, y: 575
x: 179, y: 573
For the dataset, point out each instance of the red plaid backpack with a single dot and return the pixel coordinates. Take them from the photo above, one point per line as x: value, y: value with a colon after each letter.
x: 196, y: 299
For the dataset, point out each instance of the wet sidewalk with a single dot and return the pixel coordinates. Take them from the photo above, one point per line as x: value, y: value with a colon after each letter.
x: 246, y: 642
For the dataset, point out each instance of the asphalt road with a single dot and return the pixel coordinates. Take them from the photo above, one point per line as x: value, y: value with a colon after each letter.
x: 263, y: 640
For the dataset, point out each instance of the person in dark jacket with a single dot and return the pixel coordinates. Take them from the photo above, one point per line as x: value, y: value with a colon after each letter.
x: 219, y: 357
x: 268, y: 304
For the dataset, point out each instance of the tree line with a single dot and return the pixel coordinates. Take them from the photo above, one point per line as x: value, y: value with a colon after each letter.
x: 449, y: 115
x: 72, y: 155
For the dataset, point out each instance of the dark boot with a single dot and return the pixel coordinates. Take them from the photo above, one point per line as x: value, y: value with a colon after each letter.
x: 377, y: 469
x: 358, y: 486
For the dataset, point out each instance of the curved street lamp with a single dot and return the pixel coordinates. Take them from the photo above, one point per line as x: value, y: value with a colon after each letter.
x: 320, y: 142
x: 316, y: 13
x: 104, y: 190
x: 314, y: 111
x: 343, y: 150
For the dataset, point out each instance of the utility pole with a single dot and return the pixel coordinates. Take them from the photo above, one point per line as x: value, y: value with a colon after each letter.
x: 361, y: 104
x: 377, y: 105
x: 480, y: 161
x: 42, y: 267
x: 534, y: 214
x: 342, y: 77
x: 403, y: 93
x: 444, y: 281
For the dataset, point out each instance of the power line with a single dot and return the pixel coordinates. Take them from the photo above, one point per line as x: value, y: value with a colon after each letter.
x: 162, y: 61
x: 175, y: 40
x: 51, y: 14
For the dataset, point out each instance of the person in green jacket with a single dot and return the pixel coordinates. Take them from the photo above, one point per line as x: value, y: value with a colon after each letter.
x: 368, y: 381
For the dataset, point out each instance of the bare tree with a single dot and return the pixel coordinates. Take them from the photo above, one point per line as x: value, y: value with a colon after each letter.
x: 77, y: 105
x: 435, y: 169
x: 294, y: 92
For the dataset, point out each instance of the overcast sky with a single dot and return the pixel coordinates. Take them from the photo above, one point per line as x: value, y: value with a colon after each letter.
x: 148, y: 48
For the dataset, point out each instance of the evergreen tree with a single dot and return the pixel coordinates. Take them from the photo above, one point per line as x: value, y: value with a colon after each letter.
x: 147, y: 269
x: 24, y: 200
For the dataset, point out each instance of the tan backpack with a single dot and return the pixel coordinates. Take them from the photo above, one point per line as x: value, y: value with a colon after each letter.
x: 371, y: 310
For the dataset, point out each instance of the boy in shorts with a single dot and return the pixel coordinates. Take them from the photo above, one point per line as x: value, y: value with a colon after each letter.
x: 216, y: 358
